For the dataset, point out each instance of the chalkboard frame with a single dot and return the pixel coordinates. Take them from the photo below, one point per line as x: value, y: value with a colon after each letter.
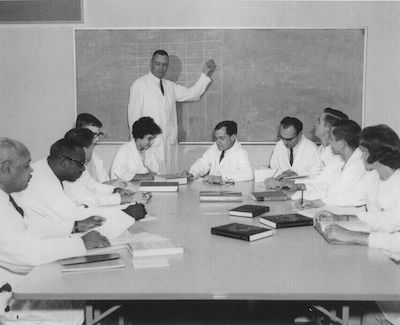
x: 364, y: 29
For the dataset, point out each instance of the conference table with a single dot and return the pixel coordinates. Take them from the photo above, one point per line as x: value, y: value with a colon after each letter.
x: 295, y: 264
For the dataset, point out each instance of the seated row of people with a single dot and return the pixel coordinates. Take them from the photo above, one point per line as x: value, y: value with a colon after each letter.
x: 36, y: 223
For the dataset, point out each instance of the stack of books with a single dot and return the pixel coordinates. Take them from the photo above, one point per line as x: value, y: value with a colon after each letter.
x: 220, y: 196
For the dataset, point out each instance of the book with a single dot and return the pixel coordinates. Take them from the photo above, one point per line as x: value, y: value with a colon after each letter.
x: 157, y: 248
x: 220, y: 196
x: 269, y: 196
x: 248, y: 210
x: 159, y: 186
x: 143, y: 177
x: 148, y: 244
x: 286, y: 220
x: 242, y: 231
x: 92, y: 262
x: 182, y: 180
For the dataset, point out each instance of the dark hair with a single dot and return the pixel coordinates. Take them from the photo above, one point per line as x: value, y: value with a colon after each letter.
x: 64, y: 148
x: 80, y: 136
x: 348, y: 131
x: 292, y: 121
x: 383, y: 145
x: 332, y: 115
x: 145, y: 125
x: 86, y: 119
x: 231, y: 127
x: 159, y: 52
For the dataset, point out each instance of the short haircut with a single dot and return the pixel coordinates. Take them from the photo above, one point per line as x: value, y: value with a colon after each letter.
x: 383, y: 145
x: 159, y: 52
x: 80, y: 136
x: 143, y: 126
x: 292, y: 121
x: 64, y: 148
x: 86, y: 119
x: 348, y: 131
x: 11, y: 149
x: 231, y: 127
x: 332, y: 115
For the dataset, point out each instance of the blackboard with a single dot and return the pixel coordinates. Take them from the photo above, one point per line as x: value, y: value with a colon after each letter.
x: 262, y: 75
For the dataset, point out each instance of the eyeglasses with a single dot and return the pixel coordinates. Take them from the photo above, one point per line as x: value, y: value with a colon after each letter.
x: 288, y: 139
x: 99, y: 135
x: 79, y: 162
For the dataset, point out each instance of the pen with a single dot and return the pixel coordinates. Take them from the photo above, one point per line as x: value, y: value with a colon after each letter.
x: 301, y: 199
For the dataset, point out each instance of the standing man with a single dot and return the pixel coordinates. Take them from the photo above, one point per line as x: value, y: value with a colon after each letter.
x: 152, y: 95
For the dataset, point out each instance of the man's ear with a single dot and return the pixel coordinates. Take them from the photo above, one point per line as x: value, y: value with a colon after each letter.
x: 5, y: 167
x: 63, y: 162
x: 233, y: 137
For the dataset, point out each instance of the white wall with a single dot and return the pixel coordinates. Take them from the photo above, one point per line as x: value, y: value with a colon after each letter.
x: 37, y: 78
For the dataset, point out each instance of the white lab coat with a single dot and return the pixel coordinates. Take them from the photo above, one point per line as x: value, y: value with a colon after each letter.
x: 383, y: 217
x: 146, y: 99
x: 306, y: 158
x: 340, y: 183
x: 96, y: 168
x: 127, y: 162
x: 20, y: 250
x: 235, y: 165
x: 86, y: 190
x: 51, y: 210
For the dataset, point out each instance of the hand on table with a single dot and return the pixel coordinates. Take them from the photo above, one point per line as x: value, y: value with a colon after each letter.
x: 286, y: 173
x: 137, y: 211
x: 212, y: 179
x: 336, y: 234
x: 89, y: 223
x: 94, y: 239
x: 308, y: 204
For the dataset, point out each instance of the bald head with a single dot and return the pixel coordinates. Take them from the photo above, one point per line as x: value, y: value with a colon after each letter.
x: 15, y: 169
x: 11, y: 149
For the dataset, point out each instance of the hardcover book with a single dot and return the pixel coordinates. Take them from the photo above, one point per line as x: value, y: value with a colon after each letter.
x: 92, y: 262
x: 220, y: 196
x: 159, y: 186
x: 242, y: 231
x: 286, y: 220
x: 248, y: 210
x: 157, y: 248
x: 174, y: 178
x: 269, y: 196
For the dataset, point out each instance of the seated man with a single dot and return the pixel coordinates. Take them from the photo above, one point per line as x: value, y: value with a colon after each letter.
x: 20, y: 249
x: 133, y: 160
x: 323, y: 127
x: 380, y: 147
x: 86, y: 190
x: 343, y: 187
x: 294, y: 154
x: 226, y: 160
x: 331, y: 163
x: 45, y: 197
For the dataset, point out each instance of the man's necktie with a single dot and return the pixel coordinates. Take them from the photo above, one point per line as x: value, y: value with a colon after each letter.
x: 291, y: 157
x: 161, y: 86
x: 222, y: 156
x: 16, y: 206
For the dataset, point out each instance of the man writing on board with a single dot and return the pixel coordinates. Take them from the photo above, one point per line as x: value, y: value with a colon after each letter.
x: 152, y: 95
